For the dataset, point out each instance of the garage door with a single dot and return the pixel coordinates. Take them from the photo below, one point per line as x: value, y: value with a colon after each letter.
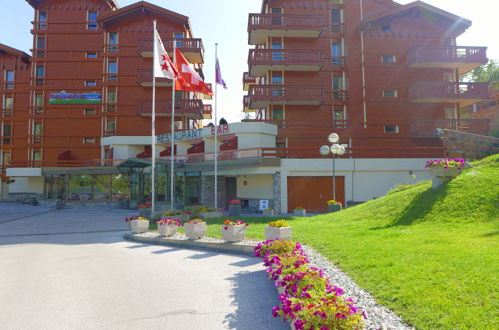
x: 313, y: 192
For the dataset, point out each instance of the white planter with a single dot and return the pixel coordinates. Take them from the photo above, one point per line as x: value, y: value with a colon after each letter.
x: 441, y: 175
x: 284, y: 233
x: 300, y: 213
x: 268, y: 213
x: 234, y: 233
x: 167, y: 230
x: 210, y: 215
x: 195, y: 230
x: 139, y: 226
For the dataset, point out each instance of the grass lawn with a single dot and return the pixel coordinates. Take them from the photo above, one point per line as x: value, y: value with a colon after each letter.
x: 430, y: 255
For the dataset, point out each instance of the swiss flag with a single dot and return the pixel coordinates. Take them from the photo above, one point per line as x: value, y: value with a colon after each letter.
x: 163, y: 66
x: 192, y: 80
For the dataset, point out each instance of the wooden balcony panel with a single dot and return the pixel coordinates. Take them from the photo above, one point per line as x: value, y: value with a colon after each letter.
x: 189, y: 108
x: 442, y: 92
x: 247, y: 81
x: 263, y: 95
x: 207, y: 111
x: 464, y: 59
x: 145, y: 77
x: 262, y: 26
x: 192, y: 48
x: 263, y: 60
x: 428, y: 128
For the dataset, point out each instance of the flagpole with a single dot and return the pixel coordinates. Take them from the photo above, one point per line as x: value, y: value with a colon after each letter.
x: 153, y: 130
x: 172, y: 140
x: 216, y: 129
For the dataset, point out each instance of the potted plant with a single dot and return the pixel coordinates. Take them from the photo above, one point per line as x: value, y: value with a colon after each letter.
x: 234, y: 231
x: 168, y: 226
x: 140, y: 225
x: 279, y: 229
x: 268, y: 212
x: 209, y: 212
x: 444, y: 169
x: 130, y: 219
x: 334, y: 206
x: 300, y: 212
x: 59, y: 204
x: 145, y: 210
x: 195, y: 229
x: 235, y: 208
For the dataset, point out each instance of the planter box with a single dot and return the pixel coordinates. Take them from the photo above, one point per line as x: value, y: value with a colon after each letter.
x: 278, y: 233
x: 334, y: 208
x: 234, y: 210
x: 268, y: 213
x: 195, y: 230
x: 441, y: 175
x: 209, y: 215
x: 139, y: 226
x: 167, y: 230
x: 145, y: 213
x: 300, y: 213
x: 234, y: 233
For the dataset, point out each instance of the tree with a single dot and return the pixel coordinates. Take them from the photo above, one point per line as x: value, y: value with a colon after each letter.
x: 486, y: 73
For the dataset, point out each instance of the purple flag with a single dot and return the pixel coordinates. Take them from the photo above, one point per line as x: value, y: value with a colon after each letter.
x: 218, y: 74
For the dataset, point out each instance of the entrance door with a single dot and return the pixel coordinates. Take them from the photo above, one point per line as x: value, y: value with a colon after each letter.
x: 312, y: 193
x: 230, y: 189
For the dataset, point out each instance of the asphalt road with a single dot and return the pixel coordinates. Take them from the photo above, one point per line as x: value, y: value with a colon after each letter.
x: 72, y: 269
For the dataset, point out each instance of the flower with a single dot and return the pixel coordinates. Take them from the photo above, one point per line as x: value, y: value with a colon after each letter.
x: 333, y: 202
x: 235, y: 202
x: 144, y: 206
x: 228, y: 223
x: 195, y: 221
x: 299, y: 208
x: 279, y: 223
x: 169, y: 221
x: 131, y: 218
x: 446, y: 163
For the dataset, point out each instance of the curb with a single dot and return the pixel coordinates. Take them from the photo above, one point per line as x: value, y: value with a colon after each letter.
x: 221, y: 246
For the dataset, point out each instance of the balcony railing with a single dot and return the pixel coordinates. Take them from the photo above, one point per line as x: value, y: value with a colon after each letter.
x: 247, y: 80
x: 5, y: 140
x: 192, y: 48
x: 262, y: 60
x: 145, y: 76
x: 300, y: 26
x: 442, y: 92
x: 191, y: 108
x: 463, y: 58
x: 6, y: 113
x: 428, y: 128
x: 261, y: 95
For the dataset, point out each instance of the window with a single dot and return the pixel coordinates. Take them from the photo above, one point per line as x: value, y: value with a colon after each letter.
x: 91, y: 55
x: 391, y: 129
x: 37, y: 128
x: 6, y: 133
x: 36, y: 155
x: 38, y: 100
x: 8, y: 102
x: 112, y: 70
x: 88, y: 140
x: 113, y: 40
x: 40, y: 71
x: 277, y: 55
x: 89, y: 112
x: 41, y: 45
x: 277, y: 79
x: 336, y: 16
x: 337, y: 53
x: 277, y: 113
x: 388, y: 59
x: 111, y: 96
x: 390, y: 93
x: 339, y: 115
x: 42, y: 20
x: 9, y: 79
x: 338, y: 88
x: 277, y: 17
x: 92, y: 20
x: 179, y: 43
x: 90, y: 83
x: 386, y: 28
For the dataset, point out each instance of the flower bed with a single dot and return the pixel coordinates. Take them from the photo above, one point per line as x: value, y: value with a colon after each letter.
x: 308, y: 300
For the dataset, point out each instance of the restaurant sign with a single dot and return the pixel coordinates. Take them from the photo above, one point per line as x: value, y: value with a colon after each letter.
x: 74, y: 98
x: 194, y: 134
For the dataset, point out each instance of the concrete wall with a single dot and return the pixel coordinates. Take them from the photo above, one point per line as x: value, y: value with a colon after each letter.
x: 26, y: 185
x: 258, y: 186
x: 365, y: 179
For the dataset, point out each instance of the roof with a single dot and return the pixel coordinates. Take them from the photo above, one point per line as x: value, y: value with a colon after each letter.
x: 4, y: 49
x: 141, y: 7
x: 420, y: 5
x: 34, y: 3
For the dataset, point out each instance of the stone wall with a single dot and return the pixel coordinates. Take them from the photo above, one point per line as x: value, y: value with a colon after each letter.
x: 277, y: 193
x: 207, y: 188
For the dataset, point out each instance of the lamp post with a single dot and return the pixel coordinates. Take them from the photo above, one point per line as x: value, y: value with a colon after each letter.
x: 335, y: 149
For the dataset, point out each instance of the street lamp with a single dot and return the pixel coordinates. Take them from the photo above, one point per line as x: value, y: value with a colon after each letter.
x: 335, y: 149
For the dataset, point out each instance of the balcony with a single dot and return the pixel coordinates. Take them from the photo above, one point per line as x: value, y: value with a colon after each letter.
x: 191, y: 48
x: 450, y: 92
x: 262, y: 95
x: 464, y: 59
x: 246, y: 104
x: 247, y: 81
x: 189, y: 108
x: 144, y: 79
x: 428, y: 128
x: 263, y: 60
x: 262, y: 26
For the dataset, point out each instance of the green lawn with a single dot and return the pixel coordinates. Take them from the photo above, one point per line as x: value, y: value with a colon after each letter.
x: 430, y: 255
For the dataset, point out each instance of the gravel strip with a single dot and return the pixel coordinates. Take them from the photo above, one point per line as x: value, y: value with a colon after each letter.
x: 378, y: 317
x: 182, y: 237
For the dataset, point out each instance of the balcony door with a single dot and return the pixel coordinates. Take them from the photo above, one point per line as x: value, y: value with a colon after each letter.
x: 277, y: 79
x: 276, y: 16
x: 277, y: 45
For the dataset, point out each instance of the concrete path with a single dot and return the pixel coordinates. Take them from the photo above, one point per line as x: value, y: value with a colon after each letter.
x: 71, y: 269
x: 12, y: 211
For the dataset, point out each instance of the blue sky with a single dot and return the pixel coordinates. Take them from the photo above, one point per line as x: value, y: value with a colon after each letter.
x: 225, y: 22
